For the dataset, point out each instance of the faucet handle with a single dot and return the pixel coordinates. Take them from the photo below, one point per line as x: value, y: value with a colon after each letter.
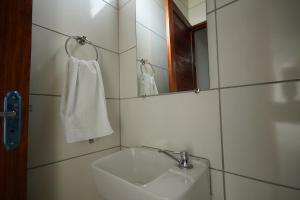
x: 185, y: 160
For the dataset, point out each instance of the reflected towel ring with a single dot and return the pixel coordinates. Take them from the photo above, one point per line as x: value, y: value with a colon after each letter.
x: 144, y: 62
x: 81, y: 40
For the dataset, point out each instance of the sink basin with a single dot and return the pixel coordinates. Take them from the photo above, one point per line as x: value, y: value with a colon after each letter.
x: 146, y: 174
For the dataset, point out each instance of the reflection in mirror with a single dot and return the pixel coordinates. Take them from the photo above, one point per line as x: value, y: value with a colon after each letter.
x: 172, y: 46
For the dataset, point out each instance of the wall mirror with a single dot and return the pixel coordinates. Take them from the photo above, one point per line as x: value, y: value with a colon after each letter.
x: 172, y: 46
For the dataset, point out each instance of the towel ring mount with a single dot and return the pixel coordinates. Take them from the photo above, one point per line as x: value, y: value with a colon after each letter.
x: 82, y: 40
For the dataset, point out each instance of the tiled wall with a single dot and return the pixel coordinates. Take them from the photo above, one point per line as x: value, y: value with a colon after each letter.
x: 248, y: 125
x: 57, y: 170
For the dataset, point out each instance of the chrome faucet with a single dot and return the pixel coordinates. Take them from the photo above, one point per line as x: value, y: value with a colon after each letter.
x: 183, y: 162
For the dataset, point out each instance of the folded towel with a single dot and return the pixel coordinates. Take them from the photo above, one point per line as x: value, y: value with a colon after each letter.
x: 83, y: 105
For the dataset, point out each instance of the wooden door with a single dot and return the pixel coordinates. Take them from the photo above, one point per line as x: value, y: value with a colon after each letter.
x: 182, y: 74
x: 15, y: 48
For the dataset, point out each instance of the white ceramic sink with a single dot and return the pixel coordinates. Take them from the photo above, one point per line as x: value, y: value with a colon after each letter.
x: 146, y: 174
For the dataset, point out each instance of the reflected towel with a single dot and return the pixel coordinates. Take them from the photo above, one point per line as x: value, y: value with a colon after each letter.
x: 147, y: 84
x: 83, y: 104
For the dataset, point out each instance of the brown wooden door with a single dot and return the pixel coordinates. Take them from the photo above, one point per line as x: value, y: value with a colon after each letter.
x: 15, y: 48
x: 182, y: 74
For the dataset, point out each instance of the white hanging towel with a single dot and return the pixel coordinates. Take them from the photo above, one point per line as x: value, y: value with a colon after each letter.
x: 147, y: 85
x: 83, y: 105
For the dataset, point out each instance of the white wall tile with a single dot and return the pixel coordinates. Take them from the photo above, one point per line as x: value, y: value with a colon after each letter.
x: 261, y: 132
x: 127, y: 20
x: 259, y: 41
x: 152, y: 47
x: 95, y: 19
x: 175, y: 122
x: 109, y: 63
x: 210, y: 5
x: 128, y: 77
x: 46, y: 134
x: 48, y: 62
x: 70, y: 179
x: 197, y: 14
x: 193, y: 3
x: 212, y: 50
x: 217, y: 185
x: 152, y: 16
x: 49, y: 65
x: 238, y: 188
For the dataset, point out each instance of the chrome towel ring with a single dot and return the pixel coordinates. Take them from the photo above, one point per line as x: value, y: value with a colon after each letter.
x: 82, y: 40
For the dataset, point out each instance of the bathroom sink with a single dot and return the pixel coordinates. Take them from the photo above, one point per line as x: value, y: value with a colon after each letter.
x: 146, y: 174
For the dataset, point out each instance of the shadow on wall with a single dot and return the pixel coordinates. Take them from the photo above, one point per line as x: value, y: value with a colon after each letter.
x: 285, y: 117
x: 290, y: 98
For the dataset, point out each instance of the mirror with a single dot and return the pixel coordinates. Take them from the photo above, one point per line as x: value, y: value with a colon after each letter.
x: 172, y: 46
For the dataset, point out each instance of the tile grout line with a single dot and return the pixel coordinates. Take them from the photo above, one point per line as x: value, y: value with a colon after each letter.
x: 119, y: 39
x: 48, y: 95
x: 60, y: 33
x: 71, y: 158
x: 263, y: 181
x: 220, y: 104
x: 223, y: 6
x: 210, y: 12
x: 136, y: 52
x: 149, y: 29
x: 115, y: 99
x: 128, y: 49
x: 209, y: 63
x: 222, y: 88
x: 261, y: 83
x: 256, y: 179
x: 219, y: 90
x: 166, y: 94
x: 125, y: 4
x: 105, y: 1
